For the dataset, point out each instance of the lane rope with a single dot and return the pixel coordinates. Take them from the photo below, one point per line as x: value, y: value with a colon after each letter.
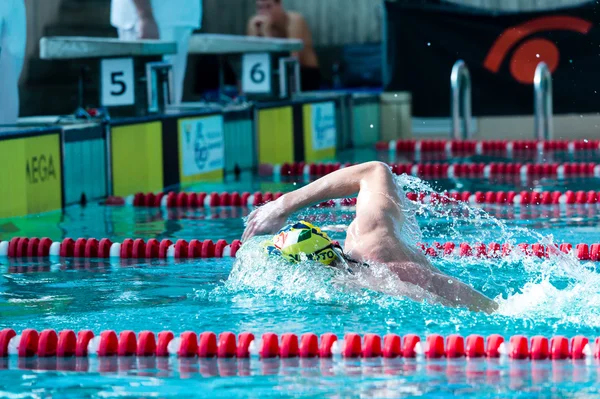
x: 185, y: 200
x: 50, y: 343
x: 92, y: 248
x: 437, y: 170
x: 466, y: 147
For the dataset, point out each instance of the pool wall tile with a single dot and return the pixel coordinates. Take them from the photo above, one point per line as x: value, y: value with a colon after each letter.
x: 240, y: 146
x: 84, y: 163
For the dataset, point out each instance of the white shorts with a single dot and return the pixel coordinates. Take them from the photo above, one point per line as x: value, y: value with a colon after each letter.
x: 13, y: 39
x: 179, y: 35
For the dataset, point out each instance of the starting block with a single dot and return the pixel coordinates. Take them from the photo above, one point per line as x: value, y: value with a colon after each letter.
x: 268, y: 70
x: 131, y: 76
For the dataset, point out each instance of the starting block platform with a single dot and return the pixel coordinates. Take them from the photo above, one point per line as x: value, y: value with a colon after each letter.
x: 75, y: 47
x: 268, y: 70
x: 235, y: 44
x: 120, y: 76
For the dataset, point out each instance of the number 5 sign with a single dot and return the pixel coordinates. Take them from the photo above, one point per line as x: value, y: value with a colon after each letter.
x: 117, y: 82
x: 256, y: 71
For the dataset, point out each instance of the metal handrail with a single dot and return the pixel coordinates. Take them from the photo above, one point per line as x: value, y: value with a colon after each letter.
x: 460, y: 83
x: 542, y: 93
x: 159, y: 86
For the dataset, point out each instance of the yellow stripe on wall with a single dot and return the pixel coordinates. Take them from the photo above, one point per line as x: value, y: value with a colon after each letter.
x: 214, y: 176
x: 30, y: 175
x: 310, y: 154
x: 137, y: 164
x: 275, y: 135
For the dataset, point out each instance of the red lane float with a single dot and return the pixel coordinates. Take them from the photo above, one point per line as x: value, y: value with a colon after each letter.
x: 206, y: 345
x: 309, y: 345
x: 472, y: 147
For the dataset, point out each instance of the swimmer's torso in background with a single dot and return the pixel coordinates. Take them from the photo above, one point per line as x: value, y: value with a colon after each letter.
x: 168, y: 13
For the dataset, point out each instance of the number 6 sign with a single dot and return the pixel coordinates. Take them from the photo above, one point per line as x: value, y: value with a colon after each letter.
x: 117, y: 82
x: 256, y: 71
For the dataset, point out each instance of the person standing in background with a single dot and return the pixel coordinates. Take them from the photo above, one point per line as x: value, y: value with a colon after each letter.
x: 272, y: 20
x: 169, y: 20
x: 13, y: 39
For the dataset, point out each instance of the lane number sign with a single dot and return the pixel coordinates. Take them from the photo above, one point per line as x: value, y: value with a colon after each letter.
x: 256, y: 70
x: 117, y: 82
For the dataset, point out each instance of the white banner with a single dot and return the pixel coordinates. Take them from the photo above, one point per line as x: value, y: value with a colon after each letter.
x: 323, y: 126
x: 201, y: 143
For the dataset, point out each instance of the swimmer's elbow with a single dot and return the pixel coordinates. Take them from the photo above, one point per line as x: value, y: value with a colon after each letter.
x: 380, y: 174
x: 378, y: 169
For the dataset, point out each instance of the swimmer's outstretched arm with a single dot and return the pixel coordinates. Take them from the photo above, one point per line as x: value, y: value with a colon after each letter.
x: 451, y: 291
x: 342, y: 183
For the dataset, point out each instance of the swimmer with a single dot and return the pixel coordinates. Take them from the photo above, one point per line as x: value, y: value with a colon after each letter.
x: 373, y: 238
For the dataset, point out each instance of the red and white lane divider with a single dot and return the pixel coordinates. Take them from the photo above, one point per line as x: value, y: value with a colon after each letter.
x: 49, y: 343
x: 428, y: 170
x: 495, y: 250
x: 452, y: 147
x: 195, y: 200
x: 83, y: 248
x: 183, y: 200
x: 509, y: 197
x: 212, y: 200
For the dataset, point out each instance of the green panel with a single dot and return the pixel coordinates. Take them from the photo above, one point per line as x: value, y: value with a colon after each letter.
x: 366, y: 124
x: 239, y: 144
x: 85, y: 170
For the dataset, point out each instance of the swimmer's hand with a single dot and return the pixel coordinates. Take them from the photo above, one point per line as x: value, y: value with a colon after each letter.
x: 268, y: 219
x: 260, y: 25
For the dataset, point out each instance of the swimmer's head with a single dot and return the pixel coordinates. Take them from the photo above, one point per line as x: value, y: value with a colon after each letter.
x: 303, y: 240
x: 271, y: 8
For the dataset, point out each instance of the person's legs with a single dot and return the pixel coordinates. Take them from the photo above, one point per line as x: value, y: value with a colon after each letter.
x: 180, y: 35
x: 12, y: 55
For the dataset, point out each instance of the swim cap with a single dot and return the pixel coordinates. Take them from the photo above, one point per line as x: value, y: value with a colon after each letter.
x: 302, y: 238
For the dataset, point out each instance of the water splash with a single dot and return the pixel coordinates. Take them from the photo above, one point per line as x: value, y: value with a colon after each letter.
x: 559, y: 288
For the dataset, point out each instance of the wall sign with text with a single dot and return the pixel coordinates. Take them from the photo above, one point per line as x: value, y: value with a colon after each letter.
x: 201, y: 145
x: 30, y: 175
x: 323, y: 126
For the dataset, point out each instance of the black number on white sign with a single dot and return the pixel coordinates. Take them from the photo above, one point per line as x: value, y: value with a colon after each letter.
x: 114, y: 78
x: 257, y: 74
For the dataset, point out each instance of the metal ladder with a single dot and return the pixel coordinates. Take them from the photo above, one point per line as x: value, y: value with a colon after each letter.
x: 542, y: 102
x: 460, y: 98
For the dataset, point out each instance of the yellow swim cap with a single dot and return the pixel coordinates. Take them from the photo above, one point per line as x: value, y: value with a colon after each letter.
x: 302, y: 238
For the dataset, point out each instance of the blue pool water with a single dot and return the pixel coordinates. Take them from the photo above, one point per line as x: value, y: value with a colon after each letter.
x: 557, y: 296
